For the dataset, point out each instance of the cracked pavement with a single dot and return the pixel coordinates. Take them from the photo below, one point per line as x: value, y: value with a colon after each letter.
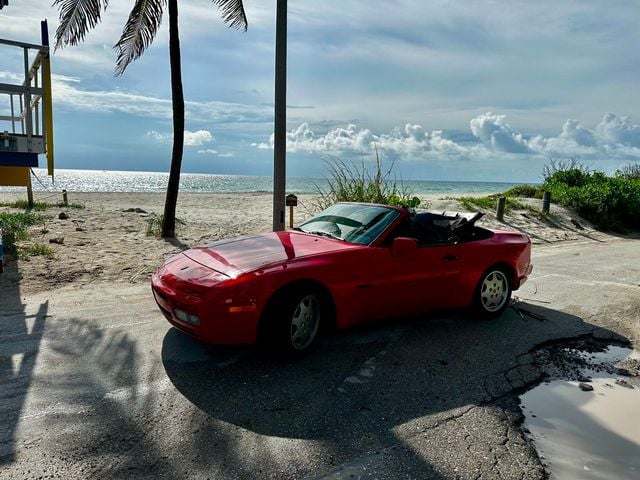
x: 94, y: 384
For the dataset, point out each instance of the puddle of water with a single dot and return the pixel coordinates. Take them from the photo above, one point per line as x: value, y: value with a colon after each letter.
x: 612, y: 355
x: 587, y: 434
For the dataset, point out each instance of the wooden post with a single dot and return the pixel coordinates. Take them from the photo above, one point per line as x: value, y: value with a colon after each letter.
x: 1, y: 251
x: 65, y: 200
x: 546, y: 201
x: 29, y: 190
x: 500, y: 209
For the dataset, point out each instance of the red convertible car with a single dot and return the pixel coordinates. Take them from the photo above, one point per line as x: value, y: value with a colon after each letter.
x: 351, y: 263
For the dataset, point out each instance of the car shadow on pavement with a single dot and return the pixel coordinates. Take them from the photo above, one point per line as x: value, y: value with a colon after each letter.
x: 20, y: 338
x: 368, y: 389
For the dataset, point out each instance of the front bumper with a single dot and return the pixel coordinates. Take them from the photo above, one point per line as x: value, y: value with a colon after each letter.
x: 221, y: 321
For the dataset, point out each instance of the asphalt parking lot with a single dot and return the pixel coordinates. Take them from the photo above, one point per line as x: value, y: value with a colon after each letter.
x: 95, y: 384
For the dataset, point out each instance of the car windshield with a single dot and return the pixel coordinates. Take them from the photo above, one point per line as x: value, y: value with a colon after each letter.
x: 355, y: 223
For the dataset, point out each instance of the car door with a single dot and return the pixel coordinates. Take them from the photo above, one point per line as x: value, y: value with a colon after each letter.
x: 424, y: 278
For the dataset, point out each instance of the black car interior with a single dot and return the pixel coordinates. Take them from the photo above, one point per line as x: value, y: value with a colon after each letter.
x: 430, y: 228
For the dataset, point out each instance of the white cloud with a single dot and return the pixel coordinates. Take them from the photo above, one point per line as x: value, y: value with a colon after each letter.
x: 618, y: 130
x: 573, y: 131
x: 191, y: 139
x: 613, y: 137
x: 496, y: 134
x: 574, y: 140
x: 68, y: 93
x: 408, y: 140
x: 197, y: 139
x: 160, y: 137
x: 11, y: 77
x: 211, y: 151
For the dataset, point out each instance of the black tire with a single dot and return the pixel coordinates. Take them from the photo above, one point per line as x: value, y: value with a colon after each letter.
x: 493, y: 293
x: 292, y: 321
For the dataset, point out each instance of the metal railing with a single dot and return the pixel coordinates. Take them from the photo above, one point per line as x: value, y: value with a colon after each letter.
x: 27, y: 123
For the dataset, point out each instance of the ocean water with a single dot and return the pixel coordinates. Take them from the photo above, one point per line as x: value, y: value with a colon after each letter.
x: 121, y: 181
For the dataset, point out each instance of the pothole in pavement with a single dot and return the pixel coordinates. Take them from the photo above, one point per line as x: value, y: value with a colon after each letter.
x: 584, y: 420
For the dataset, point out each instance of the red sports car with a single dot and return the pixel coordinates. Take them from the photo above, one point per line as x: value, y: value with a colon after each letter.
x: 351, y: 263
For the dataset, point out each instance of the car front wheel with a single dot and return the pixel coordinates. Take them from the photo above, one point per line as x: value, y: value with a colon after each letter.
x: 304, y: 320
x: 293, y: 322
x: 493, y: 293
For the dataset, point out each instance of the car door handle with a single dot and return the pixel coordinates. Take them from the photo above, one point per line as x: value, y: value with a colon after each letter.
x: 450, y: 257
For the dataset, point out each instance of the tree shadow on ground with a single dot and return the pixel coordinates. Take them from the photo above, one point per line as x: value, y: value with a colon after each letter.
x: 176, y: 242
x: 20, y: 338
x: 86, y: 409
x: 364, y: 389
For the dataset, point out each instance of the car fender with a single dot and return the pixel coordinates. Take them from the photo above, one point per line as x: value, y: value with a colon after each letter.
x: 338, y: 275
x: 485, y: 255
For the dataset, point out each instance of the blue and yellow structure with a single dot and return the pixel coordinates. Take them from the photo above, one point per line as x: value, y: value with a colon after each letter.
x: 26, y: 130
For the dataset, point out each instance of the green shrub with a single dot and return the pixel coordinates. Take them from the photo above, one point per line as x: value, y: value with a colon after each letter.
x: 351, y: 183
x: 524, y: 191
x: 611, y: 203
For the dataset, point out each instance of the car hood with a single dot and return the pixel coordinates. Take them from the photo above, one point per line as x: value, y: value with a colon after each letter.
x: 244, y: 254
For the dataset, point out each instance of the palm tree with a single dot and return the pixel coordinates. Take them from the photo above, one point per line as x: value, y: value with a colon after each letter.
x: 77, y: 17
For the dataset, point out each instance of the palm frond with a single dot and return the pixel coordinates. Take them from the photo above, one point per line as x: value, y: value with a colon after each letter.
x: 233, y: 13
x: 139, y: 31
x: 77, y: 17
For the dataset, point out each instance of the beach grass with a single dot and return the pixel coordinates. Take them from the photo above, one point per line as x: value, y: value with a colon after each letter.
x: 359, y: 183
x: 39, y: 206
x: 14, y: 227
x: 489, y: 202
x: 154, y: 225
x: 37, y: 249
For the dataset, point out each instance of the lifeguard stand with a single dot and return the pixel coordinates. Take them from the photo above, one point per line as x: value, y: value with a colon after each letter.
x: 26, y: 115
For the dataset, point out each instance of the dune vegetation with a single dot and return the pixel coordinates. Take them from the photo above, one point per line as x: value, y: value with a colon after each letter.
x: 359, y: 183
x: 609, y: 202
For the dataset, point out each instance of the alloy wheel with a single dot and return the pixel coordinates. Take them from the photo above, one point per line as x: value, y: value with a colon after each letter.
x: 494, y: 291
x: 305, y: 321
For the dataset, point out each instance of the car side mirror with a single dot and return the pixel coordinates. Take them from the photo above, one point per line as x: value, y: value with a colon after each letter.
x: 403, y: 245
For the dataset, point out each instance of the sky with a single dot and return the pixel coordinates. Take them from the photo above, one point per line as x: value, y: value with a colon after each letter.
x: 468, y: 90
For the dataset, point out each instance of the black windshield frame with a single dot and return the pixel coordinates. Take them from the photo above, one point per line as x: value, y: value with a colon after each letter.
x: 358, y: 223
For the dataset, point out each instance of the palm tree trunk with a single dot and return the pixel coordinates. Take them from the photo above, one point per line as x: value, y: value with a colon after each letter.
x: 177, y: 97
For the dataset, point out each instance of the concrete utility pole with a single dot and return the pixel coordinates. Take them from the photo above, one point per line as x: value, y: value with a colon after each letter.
x: 280, y: 123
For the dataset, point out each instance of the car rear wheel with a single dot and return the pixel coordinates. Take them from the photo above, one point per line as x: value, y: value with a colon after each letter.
x: 292, y: 322
x: 493, y: 293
